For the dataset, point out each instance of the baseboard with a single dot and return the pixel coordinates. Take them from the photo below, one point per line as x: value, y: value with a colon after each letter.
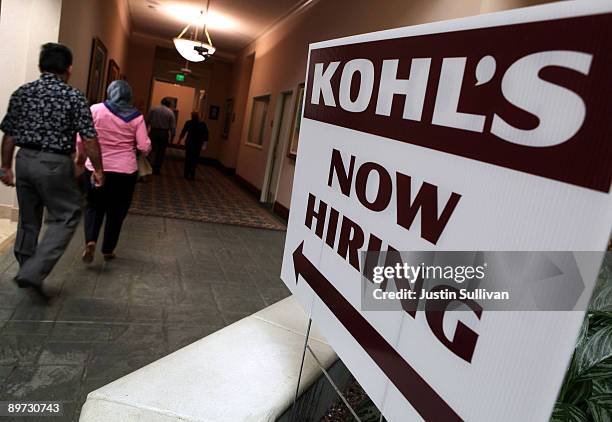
x: 177, y: 146
x: 248, y: 185
x: 208, y: 161
x: 227, y: 170
x: 281, y: 210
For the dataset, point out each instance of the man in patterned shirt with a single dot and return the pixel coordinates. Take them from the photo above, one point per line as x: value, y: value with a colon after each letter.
x: 43, y: 119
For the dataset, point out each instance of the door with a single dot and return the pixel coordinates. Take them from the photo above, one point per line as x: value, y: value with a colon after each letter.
x: 279, y: 145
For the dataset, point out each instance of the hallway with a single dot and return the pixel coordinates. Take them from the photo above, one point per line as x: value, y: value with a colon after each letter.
x: 419, y: 125
x: 213, y: 197
x: 174, y: 282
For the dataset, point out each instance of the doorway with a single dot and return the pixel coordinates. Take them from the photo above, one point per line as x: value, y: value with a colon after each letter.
x: 183, y: 100
x: 277, y: 147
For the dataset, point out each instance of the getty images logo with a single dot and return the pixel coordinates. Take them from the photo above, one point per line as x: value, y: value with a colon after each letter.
x: 559, y: 110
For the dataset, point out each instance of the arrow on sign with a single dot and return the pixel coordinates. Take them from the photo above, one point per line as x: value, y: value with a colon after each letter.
x: 413, y: 387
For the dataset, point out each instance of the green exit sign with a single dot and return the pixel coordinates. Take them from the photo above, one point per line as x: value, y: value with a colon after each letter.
x: 180, y: 77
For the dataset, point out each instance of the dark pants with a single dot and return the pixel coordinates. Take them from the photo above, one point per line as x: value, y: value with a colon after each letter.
x: 192, y: 156
x: 44, y: 181
x: 159, y: 142
x: 112, y: 201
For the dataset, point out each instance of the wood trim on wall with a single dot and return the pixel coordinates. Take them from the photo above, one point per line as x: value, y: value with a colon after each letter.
x: 208, y: 161
x: 281, y: 210
x: 248, y: 185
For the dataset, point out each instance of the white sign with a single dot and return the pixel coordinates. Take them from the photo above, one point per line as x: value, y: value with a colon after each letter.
x: 477, y: 134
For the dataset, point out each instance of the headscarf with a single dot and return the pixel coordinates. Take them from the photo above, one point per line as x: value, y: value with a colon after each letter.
x: 119, y: 95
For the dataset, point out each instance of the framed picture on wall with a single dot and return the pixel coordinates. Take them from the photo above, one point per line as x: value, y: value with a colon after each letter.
x: 295, y: 125
x: 97, y: 64
x: 213, y: 112
x: 228, y: 118
x: 113, y: 73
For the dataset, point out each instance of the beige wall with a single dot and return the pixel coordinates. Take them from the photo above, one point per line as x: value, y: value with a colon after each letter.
x: 217, y: 93
x: 168, y: 61
x: 241, y: 77
x: 147, y: 62
x: 81, y: 21
x: 184, y: 96
x: 281, y: 57
x: 27, y: 24
x: 140, y: 70
x: 24, y: 26
x: 489, y: 6
x: 215, y: 78
x: 274, y: 63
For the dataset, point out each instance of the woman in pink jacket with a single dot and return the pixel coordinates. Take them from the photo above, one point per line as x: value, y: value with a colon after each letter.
x: 121, y: 132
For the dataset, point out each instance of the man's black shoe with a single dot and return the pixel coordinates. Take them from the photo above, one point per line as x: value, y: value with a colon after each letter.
x: 24, y: 284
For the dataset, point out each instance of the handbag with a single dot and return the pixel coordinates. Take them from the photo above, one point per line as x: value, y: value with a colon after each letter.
x: 144, y: 168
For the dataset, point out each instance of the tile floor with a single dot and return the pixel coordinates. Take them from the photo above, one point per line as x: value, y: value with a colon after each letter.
x: 174, y: 282
x: 7, y: 230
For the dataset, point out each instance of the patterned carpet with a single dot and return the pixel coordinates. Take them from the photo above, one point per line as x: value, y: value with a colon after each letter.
x: 212, y: 198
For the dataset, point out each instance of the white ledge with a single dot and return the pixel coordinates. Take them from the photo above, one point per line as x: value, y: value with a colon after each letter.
x: 245, y: 372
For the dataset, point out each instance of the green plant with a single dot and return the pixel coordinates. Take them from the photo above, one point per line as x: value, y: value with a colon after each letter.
x: 586, y: 393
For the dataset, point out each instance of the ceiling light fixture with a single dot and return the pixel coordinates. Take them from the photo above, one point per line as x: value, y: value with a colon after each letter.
x: 193, y: 49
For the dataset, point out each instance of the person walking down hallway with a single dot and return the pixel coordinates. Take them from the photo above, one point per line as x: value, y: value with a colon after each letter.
x: 162, y: 125
x: 197, y: 136
x: 43, y: 119
x: 122, y: 131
